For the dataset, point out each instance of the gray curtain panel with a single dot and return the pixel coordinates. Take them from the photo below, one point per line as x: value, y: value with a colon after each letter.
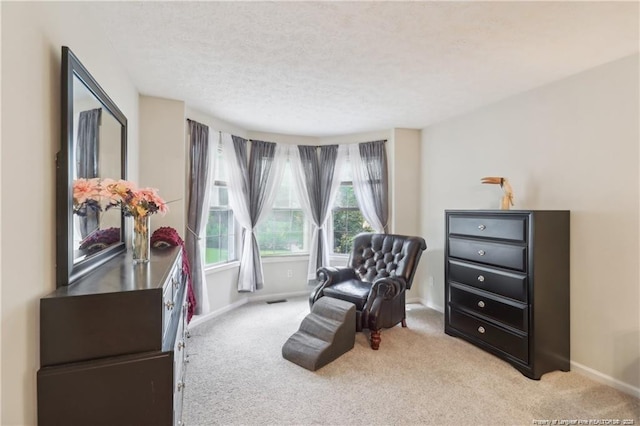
x: 199, y: 163
x: 319, y: 170
x: 374, y: 161
x: 260, y: 167
x: 240, y: 148
x: 87, y: 166
x: 261, y: 164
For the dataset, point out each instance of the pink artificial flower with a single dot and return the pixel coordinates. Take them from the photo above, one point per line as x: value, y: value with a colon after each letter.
x: 119, y: 193
x: 152, y: 199
x: 85, y: 190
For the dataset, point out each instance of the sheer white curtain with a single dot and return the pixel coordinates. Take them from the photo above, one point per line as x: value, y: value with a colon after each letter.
x: 326, y: 191
x: 370, y: 183
x: 252, y: 191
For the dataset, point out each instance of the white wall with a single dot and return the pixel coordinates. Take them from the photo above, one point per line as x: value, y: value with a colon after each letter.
x: 404, y: 194
x: 32, y: 36
x: 569, y: 145
x: 163, y: 156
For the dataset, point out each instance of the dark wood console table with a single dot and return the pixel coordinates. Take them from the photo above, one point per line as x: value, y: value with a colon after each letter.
x: 112, y: 345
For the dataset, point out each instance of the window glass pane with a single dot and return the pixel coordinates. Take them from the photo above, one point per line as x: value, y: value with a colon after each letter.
x: 347, y: 223
x: 346, y: 197
x: 219, y: 166
x: 347, y: 219
x: 220, y: 231
x: 283, y: 231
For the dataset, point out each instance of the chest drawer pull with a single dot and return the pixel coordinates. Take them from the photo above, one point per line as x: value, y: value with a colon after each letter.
x: 169, y: 304
x: 481, y: 329
x: 481, y: 278
x: 481, y: 252
x: 481, y: 304
x: 180, y: 345
x: 482, y: 227
x: 175, y: 283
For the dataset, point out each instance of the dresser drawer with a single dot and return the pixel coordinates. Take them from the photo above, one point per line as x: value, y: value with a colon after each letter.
x: 508, y: 284
x: 509, y: 228
x: 514, y: 315
x: 172, y: 286
x: 171, y: 295
x: 125, y: 390
x: 168, y: 306
x: 513, y: 344
x: 506, y: 255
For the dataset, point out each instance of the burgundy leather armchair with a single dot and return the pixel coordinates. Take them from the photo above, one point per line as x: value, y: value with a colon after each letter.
x: 380, y: 269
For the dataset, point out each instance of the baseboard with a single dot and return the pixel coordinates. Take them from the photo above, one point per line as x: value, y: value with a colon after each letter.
x: 275, y: 296
x: 425, y: 303
x: 605, y: 379
x: 201, y: 319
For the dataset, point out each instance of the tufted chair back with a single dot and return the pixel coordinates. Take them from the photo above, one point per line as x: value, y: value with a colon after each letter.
x: 383, y: 255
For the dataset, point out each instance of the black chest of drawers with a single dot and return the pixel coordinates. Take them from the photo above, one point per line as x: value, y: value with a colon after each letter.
x: 112, y: 345
x: 507, y: 285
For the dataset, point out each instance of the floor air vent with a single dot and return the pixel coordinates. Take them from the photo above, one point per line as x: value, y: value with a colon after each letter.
x: 276, y: 301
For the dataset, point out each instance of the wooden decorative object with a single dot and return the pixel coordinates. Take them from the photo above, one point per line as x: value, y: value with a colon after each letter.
x: 507, y: 199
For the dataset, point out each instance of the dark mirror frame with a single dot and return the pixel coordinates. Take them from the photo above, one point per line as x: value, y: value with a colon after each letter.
x: 67, y: 271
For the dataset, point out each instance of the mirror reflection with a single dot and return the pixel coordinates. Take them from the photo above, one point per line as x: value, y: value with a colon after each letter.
x: 93, y: 148
x: 97, y: 152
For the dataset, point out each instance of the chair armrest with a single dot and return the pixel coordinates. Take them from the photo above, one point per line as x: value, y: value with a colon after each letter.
x: 388, y: 287
x: 328, y: 276
x: 331, y: 274
x: 382, y: 291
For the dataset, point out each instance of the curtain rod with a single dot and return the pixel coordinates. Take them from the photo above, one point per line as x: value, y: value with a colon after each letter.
x: 317, y: 146
x: 378, y: 140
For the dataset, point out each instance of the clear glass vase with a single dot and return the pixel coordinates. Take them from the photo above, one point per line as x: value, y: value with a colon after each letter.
x: 140, y: 243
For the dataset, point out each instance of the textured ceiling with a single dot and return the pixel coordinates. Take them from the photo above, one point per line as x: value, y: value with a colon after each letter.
x: 331, y: 68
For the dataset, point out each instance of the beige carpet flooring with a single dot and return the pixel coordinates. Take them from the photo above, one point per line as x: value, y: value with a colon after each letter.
x: 236, y: 376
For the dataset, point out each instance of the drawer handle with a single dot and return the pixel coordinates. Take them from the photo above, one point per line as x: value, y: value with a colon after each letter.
x: 481, y: 278
x: 181, y: 385
x: 481, y: 252
x: 481, y: 304
x: 169, y: 304
x: 482, y: 227
x: 481, y: 329
x: 180, y: 345
x: 175, y: 282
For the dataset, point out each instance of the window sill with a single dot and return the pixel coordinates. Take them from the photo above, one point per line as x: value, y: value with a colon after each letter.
x: 212, y: 269
x: 338, y: 257
x: 286, y: 258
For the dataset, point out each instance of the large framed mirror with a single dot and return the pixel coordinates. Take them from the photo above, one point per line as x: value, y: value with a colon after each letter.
x: 93, y: 146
